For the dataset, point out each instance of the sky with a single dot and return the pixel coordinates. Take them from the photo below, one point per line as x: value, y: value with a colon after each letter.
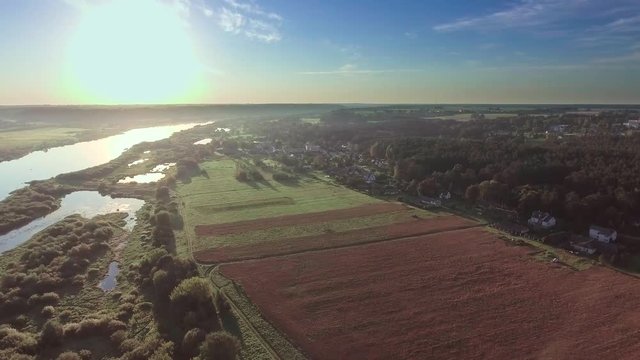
x: 319, y: 51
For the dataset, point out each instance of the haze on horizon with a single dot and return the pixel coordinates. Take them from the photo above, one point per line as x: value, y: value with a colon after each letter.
x: 279, y: 51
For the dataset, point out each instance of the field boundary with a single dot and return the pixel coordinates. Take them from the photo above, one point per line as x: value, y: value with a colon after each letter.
x: 239, y: 205
x: 296, y: 219
x: 198, y: 255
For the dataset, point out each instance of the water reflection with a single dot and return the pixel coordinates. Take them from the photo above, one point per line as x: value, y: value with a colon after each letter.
x: 203, y: 142
x: 142, y: 179
x: 85, y: 203
x: 154, y: 175
x: 137, y: 162
x: 40, y: 165
x: 110, y: 280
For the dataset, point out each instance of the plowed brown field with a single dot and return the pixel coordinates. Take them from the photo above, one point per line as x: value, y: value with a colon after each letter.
x: 299, y: 219
x: 461, y: 294
x: 328, y: 240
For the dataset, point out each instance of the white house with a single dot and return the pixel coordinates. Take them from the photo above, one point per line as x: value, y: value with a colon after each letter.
x: 370, y: 178
x: 602, y: 234
x: 445, y: 195
x: 542, y: 219
x: 427, y: 201
x: 312, y: 148
x: 633, y: 124
x: 558, y: 129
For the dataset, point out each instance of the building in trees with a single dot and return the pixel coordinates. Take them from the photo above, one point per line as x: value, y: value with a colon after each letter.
x: 542, y: 220
x: 602, y: 234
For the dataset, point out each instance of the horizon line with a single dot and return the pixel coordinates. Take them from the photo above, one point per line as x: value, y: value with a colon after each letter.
x: 322, y: 103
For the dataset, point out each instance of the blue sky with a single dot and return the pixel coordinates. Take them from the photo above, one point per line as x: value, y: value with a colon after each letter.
x: 527, y: 51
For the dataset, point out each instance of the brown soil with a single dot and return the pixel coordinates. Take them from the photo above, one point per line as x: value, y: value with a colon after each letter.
x: 329, y: 240
x: 298, y: 219
x: 456, y: 295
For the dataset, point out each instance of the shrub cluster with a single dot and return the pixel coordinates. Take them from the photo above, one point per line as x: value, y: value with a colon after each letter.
x: 23, y: 206
x: 55, y: 258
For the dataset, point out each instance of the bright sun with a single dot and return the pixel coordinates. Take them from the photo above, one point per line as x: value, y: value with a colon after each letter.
x: 127, y: 52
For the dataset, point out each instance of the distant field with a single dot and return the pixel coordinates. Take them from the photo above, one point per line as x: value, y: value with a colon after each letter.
x: 36, y: 137
x: 467, y: 116
x: 204, y: 198
x: 462, y: 294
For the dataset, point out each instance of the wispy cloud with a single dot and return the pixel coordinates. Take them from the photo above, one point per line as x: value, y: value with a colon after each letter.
x: 633, y: 57
x: 525, y: 13
x: 351, y: 69
x: 249, y: 19
x: 410, y: 35
x: 619, y: 31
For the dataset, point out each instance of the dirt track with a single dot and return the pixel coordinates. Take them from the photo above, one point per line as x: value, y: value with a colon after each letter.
x: 329, y: 240
x: 299, y: 219
x: 461, y: 294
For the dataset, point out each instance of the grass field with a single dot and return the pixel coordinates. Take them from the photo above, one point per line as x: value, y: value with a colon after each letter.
x: 37, y: 137
x: 203, y: 198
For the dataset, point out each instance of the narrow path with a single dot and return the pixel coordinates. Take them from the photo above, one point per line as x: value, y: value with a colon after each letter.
x: 206, y: 270
x: 265, y: 344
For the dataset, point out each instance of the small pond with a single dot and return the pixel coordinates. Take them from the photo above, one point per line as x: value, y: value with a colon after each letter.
x: 110, y: 280
x: 203, y: 142
x: 156, y: 174
x: 137, y: 162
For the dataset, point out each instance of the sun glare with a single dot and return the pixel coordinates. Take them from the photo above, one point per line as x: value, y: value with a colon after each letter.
x: 126, y: 52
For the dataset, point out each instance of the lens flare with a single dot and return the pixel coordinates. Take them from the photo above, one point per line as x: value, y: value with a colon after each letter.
x: 127, y: 52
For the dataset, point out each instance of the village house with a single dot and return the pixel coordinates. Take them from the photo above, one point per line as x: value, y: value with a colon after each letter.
x: 542, y: 220
x: 633, y: 124
x: 308, y: 147
x: 370, y: 178
x: 429, y: 202
x: 585, y: 246
x: 602, y: 234
x: 445, y: 195
x: 558, y: 129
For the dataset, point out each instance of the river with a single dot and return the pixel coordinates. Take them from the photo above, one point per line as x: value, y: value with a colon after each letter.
x: 41, y: 165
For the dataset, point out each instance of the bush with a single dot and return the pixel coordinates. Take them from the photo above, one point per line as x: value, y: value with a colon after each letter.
x: 71, y: 329
x: 241, y: 175
x: 194, y: 295
x: 118, y: 337
x: 69, y: 355
x: 85, y: 354
x: 103, y: 233
x: 48, y: 311
x: 162, y: 283
x: 92, y: 327
x: 219, y: 345
x: 115, y: 325
x: 162, y: 193
x: 65, y: 315
x: 50, y: 298
x: 221, y: 303
x: 52, y: 333
x: 11, y: 338
x: 191, y: 342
